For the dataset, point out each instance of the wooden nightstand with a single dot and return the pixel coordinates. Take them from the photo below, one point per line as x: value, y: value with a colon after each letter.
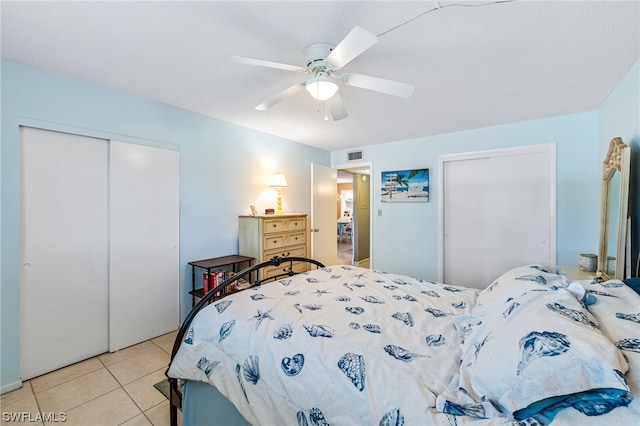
x: 575, y: 273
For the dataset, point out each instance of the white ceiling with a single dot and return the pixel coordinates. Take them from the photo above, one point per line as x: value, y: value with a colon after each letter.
x: 471, y: 67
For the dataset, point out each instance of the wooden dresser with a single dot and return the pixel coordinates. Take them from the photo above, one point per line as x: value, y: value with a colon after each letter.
x: 265, y: 236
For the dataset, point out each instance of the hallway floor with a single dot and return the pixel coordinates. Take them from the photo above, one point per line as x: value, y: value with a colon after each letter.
x: 345, y: 253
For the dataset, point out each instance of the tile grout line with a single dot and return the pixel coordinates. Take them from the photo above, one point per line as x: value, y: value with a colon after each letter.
x: 34, y: 394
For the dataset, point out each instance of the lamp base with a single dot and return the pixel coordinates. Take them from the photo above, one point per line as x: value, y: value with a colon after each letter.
x: 279, y: 202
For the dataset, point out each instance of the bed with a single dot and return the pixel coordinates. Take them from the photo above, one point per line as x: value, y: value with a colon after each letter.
x: 342, y: 345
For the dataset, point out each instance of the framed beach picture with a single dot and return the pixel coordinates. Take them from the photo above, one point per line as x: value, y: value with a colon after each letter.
x: 405, y: 186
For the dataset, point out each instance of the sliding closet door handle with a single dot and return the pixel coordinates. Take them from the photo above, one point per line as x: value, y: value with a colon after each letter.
x: 315, y: 230
x: 26, y: 265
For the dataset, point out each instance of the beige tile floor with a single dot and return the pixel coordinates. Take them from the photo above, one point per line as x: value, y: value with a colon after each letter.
x: 111, y: 389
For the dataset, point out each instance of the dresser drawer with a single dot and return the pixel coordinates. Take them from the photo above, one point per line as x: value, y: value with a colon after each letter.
x: 299, y: 251
x: 274, y: 226
x: 272, y: 242
x: 272, y: 271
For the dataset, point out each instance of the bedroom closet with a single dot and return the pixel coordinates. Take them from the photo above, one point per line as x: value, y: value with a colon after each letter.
x: 497, y: 212
x: 99, y: 247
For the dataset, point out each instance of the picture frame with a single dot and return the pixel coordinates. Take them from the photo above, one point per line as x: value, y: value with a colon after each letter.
x: 405, y: 186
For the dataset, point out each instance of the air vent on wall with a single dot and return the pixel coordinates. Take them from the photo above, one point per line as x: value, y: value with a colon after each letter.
x: 354, y: 155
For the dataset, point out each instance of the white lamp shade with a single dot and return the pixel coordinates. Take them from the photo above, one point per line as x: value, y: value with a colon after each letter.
x: 278, y: 181
x: 321, y: 88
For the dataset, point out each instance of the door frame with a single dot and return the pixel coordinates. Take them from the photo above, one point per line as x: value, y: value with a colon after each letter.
x: 548, y: 148
x: 355, y: 168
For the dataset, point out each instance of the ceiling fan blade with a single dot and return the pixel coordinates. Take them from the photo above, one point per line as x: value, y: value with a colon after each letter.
x: 336, y: 107
x: 356, y: 42
x: 268, y: 64
x: 280, y: 96
x: 383, y: 85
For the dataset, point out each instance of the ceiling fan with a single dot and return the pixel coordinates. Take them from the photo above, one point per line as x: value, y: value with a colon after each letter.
x: 323, y: 60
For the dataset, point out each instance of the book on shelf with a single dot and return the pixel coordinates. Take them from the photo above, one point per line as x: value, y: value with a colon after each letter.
x: 209, y: 283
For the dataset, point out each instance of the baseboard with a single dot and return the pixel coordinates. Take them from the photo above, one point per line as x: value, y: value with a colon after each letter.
x: 364, y: 263
x: 10, y: 387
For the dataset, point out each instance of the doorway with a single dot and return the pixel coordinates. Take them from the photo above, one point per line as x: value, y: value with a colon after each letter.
x: 353, y: 210
x: 344, y: 213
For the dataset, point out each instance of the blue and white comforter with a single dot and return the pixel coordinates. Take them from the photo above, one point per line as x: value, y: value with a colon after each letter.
x: 345, y: 345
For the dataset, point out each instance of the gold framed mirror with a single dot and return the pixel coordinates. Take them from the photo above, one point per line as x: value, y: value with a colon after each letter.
x: 614, y: 204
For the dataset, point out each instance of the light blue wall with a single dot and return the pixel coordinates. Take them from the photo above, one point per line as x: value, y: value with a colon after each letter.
x: 620, y: 116
x: 405, y: 237
x: 224, y: 169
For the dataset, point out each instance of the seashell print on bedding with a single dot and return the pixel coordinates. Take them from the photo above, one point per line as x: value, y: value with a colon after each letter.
x: 392, y: 418
x: 343, y: 299
x: 321, y: 292
x: 433, y: 340
x: 472, y: 410
x: 354, y: 325
x: 410, y: 298
x: 292, y: 293
x: 510, y: 309
x: 312, y: 307
x: 540, y: 344
x: 292, y: 366
x: 225, y: 329
x: 430, y: 293
x: 602, y: 293
x: 459, y: 305
x: 372, y: 299
x: 317, y: 418
x: 575, y: 315
x: 221, y: 306
x: 436, y: 312
x: 189, y: 339
x: 401, y: 353
x: 353, y: 366
x: 207, y: 366
x: 451, y: 289
x: 251, y: 369
x: 629, y: 344
x: 372, y: 328
x: 283, y: 332
x: 239, y: 377
x: 285, y: 282
x: 259, y: 296
x: 629, y: 317
x: 356, y: 310
x: 320, y: 330
x: 301, y: 417
x: 405, y: 317
x: 535, y: 278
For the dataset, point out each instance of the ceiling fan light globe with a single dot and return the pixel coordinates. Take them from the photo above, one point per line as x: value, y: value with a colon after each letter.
x: 321, y: 88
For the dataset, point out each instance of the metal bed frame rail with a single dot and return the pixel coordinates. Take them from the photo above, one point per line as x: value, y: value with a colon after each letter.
x: 220, y: 291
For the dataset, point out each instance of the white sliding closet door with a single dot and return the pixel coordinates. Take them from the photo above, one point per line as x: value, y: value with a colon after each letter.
x: 144, y: 238
x: 64, y: 233
x: 497, y: 212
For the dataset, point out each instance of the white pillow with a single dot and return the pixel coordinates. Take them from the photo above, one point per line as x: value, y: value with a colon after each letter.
x: 520, y: 280
x: 531, y: 356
